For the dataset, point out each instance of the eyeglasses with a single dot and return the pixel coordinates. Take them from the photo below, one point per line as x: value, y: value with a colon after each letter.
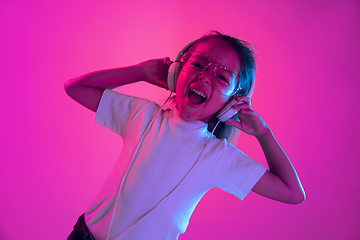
x: 225, y: 81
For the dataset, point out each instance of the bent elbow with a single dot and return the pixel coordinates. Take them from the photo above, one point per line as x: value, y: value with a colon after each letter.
x: 68, y: 86
x: 297, y: 198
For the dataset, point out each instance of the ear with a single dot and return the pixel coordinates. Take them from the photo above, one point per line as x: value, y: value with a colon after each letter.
x: 174, y: 71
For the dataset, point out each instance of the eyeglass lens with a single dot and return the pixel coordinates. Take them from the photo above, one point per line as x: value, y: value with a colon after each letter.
x: 224, y: 79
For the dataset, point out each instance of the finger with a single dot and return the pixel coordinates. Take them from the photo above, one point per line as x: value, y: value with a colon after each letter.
x: 242, y: 99
x: 246, y: 112
x: 233, y: 123
x: 241, y: 106
x: 163, y: 63
x: 167, y: 61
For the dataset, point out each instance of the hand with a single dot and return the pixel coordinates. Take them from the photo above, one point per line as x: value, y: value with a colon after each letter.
x: 250, y: 122
x: 155, y: 71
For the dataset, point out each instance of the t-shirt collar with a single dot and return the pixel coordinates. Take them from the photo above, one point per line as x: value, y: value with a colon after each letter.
x: 194, y: 124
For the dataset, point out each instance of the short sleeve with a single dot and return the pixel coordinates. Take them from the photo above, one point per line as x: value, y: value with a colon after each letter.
x: 115, y: 110
x: 239, y: 173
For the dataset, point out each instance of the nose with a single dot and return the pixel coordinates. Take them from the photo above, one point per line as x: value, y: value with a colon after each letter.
x: 206, y: 74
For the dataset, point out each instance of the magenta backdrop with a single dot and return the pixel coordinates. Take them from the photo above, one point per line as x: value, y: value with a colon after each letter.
x: 55, y: 158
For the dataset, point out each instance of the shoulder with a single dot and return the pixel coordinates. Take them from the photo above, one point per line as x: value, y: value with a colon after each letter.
x: 228, y: 157
x: 116, y: 110
x: 112, y: 96
x: 115, y: 101
x: 223, y: 146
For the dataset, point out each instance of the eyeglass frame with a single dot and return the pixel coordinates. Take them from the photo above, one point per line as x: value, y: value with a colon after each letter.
x: 216, y: 65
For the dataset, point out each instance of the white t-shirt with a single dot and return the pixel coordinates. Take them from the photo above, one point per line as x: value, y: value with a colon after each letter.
x: 169, y: 149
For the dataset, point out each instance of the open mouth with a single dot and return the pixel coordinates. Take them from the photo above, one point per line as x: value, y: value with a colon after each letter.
x: 196, y: 96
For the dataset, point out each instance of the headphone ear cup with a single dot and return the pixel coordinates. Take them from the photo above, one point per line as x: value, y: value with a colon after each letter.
x: 174, y: 71
x: 175, y: 68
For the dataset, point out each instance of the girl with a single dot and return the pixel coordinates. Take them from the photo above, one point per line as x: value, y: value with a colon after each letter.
x: 169, y: 158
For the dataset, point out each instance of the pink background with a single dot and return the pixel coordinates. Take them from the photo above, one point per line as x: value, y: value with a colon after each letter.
x: 55, y: 158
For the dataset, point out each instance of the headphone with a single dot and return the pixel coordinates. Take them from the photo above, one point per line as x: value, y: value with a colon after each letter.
x: 174, y: 70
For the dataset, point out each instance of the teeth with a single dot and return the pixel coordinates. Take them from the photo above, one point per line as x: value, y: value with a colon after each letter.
x: 198, y: 92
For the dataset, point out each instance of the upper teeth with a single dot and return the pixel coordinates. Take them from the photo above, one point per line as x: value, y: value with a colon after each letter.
x: 198, y: 92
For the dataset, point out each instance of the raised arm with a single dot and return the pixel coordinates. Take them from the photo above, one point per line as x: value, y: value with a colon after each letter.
x: 87, y: 89
x: 281, y: 181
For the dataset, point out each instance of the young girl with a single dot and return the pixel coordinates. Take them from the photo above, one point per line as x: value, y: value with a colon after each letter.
x: 169, y: 158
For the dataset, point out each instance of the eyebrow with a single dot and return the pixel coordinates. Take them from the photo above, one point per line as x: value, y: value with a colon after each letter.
x: 209, y: 58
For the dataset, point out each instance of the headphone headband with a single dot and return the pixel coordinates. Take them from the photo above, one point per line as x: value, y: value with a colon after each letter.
x: 187, y: 47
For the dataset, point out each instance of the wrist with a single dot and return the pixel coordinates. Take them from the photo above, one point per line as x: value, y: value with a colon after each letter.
x: 139, y: 72
x: 265, y: 134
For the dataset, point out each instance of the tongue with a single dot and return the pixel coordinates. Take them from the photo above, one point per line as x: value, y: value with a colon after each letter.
x: 195, y: 99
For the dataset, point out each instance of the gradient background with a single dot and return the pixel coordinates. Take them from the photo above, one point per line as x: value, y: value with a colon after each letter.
x: 54, y: 158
